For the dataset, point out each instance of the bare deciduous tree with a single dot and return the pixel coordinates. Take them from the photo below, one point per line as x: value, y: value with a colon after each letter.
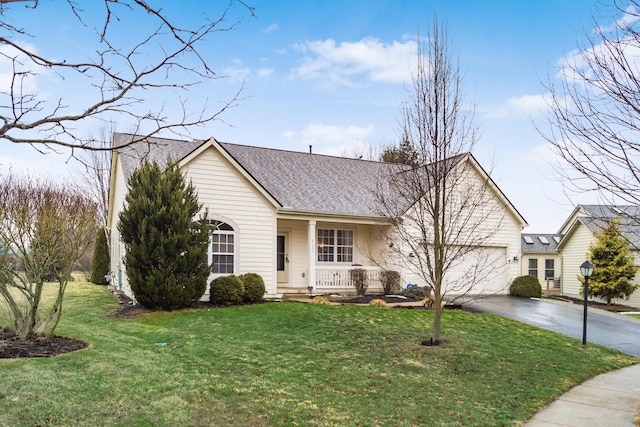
x: 440, y: 209
x: 44, y: 228
x: 594, y: 115
x: 131, y: 79
x: 94, y: 173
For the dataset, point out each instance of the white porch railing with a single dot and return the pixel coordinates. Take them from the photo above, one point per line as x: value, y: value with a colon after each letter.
x: 334, y: 278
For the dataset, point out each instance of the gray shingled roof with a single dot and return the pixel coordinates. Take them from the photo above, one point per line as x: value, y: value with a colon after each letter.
x: 628, y: 215
x: 157, y: 150
x: 298, y: 181
x: 537, y: 245
x: 312, y: 182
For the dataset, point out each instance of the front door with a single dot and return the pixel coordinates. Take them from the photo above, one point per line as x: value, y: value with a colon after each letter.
x: 282, y: 258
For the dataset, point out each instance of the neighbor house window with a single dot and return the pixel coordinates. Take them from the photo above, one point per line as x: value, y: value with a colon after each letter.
x: 533, y: 267
x: 549, y: 270
x: 335, y: 245
x: 222, y: 248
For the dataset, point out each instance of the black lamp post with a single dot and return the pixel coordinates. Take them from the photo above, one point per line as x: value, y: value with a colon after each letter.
x: 586, y: 269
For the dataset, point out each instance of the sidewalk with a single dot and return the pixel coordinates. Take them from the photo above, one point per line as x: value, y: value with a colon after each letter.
x: 608, y: 400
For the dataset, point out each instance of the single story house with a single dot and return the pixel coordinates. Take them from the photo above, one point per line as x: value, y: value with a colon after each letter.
x: 579, y: 232
x: 540, y: 259
x: 298, y: 219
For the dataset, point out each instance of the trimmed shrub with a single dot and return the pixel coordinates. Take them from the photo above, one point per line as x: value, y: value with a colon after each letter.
x: 253, y: 287
x: 390, y: 281
x: 359, y: 280
x: 526, y: 287
x: 415, y: 291
x: 226, y: 290
x: 101, y: 261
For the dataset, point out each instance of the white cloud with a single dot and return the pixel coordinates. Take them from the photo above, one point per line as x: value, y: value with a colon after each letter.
x: 369, y: 57
x: 331, y: 134
x: 541, y: 154
x: 237, y: 72
x: 271, y: 28
x: 629, y: 18
x: 11, y: 57
x: 333, y: 140
x: 265, y: 72
x: 530, y: 105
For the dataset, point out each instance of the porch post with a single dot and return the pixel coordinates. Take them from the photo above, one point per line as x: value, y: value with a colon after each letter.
x: 312, y: 253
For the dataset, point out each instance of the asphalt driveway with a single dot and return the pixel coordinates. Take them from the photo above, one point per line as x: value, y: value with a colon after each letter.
x: 608, y: 329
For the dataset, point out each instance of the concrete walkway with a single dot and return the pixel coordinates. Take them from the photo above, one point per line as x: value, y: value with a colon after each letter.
x: 608, y: 400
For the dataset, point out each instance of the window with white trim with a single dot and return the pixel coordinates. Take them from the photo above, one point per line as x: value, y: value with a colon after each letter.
x: 222, y: 248
x: 335, y: 245
x: 549, y: 269
x: 533, y: 267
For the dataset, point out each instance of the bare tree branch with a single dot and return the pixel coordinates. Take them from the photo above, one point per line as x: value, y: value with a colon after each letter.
x: 441, y: 204
x: 594, y: 115
x: 119, y: 77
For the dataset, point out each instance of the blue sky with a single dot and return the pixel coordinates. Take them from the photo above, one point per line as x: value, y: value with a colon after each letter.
x: 332, y: 74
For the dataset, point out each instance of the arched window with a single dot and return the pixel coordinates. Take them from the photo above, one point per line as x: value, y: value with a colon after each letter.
x: 222, y: 248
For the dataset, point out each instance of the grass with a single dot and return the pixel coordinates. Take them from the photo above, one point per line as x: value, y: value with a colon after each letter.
x: 288, y: 364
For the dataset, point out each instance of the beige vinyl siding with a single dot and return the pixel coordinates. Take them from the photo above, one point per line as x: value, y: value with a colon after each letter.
x: 117, y: 247
x: 501, y: 247
x: 574, y: 253
x: 541, y: 257
x: 232, y: 198
x: 634, y: 300
x: 297, y: 243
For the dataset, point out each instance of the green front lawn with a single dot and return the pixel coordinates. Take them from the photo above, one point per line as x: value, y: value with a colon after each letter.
x: 292, y: 364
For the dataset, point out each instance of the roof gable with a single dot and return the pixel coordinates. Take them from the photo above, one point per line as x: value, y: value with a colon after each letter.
x: 308, y: 182
x: 597, y: 217
x: 297, y: 181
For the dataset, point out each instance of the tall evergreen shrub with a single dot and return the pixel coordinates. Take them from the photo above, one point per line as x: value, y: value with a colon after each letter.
x: 166, y: 245
x: 101, y: 259
x: 613, y: 266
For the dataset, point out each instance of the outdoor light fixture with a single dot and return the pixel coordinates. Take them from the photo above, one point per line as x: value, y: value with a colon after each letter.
x: 586, y: 269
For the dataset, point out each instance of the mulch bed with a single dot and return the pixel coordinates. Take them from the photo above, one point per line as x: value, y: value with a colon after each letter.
x: 616, y: 308
x: 391, y: 299
x: 12, y: 348
x: 366, y: 299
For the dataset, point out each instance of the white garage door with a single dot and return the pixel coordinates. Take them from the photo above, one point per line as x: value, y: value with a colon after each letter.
x: 481, y: 272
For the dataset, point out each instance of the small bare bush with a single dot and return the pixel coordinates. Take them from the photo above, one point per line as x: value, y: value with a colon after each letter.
x: 359, y: 280
x: 44, y: 229
x: 390, y: 282
x: 320, y: 300
x: 378, y: 303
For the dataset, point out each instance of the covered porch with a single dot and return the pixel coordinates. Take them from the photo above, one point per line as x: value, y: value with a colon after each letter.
x: 318, y: 255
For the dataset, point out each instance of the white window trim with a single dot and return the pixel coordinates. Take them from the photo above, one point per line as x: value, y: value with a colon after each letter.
x: 210, y: 253
x: 335, y: 246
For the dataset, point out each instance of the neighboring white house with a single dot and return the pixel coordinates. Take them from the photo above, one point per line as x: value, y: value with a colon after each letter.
x: 541, y: 259
x: 579, y: 232
x: 298, y: 219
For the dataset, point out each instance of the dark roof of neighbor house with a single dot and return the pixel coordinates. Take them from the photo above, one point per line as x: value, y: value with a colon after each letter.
x: 299, y: 181
x: 539, y: 243
x: 628, y: 216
